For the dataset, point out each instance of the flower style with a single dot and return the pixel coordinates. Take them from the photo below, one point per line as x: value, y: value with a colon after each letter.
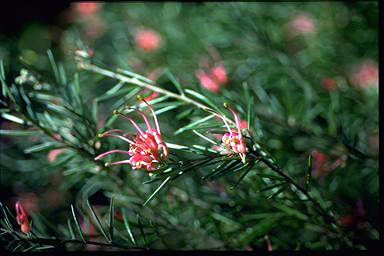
x: 233, y: 142
x: 22, y: 218
x: 147, y: 149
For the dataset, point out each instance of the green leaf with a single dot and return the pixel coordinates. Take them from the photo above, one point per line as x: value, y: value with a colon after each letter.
x: 292, y: 212
x: 53, y: 64
x: 70, y: 229
x: 277, y: 192
x: 12, y: 118
x: 189, y: 126
x: 127, y: 226
x: 261, y: 228
x: 174, y: 81
x: 96, y: 219
x: 201, y: 97
x: 41, y: 147
x: 20, y: 132
x: 77, y: 223
x: 205, y: 138
x: 142, y: 230
x: 6, y: 217
x: 157, y: 190
x: 165, y: 109
x: 243, y: 175
x: 111, y: 217
x: 309, y: 172
x: 135, y: 75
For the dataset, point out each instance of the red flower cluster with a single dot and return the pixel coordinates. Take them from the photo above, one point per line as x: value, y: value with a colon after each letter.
x: 301, y: 24
x: 366, y: 75
x: 215, y: 75
x: 86, y: 8
x: 147, y: 150
x: 213, y: 80
x: 147, y: 39
x: 329, y: 84
x: 22, y: 218
x: 321, y: 164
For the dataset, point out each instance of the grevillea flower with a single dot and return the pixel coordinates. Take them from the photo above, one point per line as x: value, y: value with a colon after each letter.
x: 233, y: 142
x: 207, y: 81
x: 22, y: 218
x: 86, y: 8
x: 148, y: 40
x: 367, y: 74
x: 147, y: 149
x: 302, y: 24
x: 220, y: 74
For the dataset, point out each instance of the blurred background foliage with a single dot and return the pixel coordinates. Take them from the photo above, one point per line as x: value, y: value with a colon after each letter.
x: 308, y: 72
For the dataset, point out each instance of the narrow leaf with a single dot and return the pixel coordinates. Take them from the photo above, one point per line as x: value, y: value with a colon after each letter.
x: 53, y: 64
x: 12, y: 118
x: 193, y: 124
x: 243, y: 175
x: 19, y: 132
x: 70, y: 229
x: 77, y: 223
x: 6, y: 217
x: 309, y: 171
x: 111, y: 217
x: 156, y: 191
x: 165, y: 109
x: 277, y: 192
x: 204, y: 137
x: 141, y: 229
x: 174, y: 81
x: 96, y: 219
x: 127, y: 226
x: 201, y: 97
x: 41, y: 147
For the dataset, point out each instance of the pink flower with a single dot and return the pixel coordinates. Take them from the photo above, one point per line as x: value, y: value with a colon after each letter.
x: 147, y: 149
x: 366, y: 75
x: 22, y: 218
x: 220, y: 74
x: 52, y: 155
x: 302, y: 24
x: 329, y: 84
x: 147, y: 39
x: 86, y: 8
x: 233, y: 142
x: 319, y: 163
x: 207, y: 81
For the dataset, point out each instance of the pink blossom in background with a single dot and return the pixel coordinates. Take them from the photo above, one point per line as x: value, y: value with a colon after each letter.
x: 329, y: 84
x: 52, y: 155
x: 147, y: 39
x: 319, y: 163
x: 30, y: 202
x: 301, y: 24
x: 367, y: 74
x: 207, y: 81
x: 86, y: 8
x: 220, y: 74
